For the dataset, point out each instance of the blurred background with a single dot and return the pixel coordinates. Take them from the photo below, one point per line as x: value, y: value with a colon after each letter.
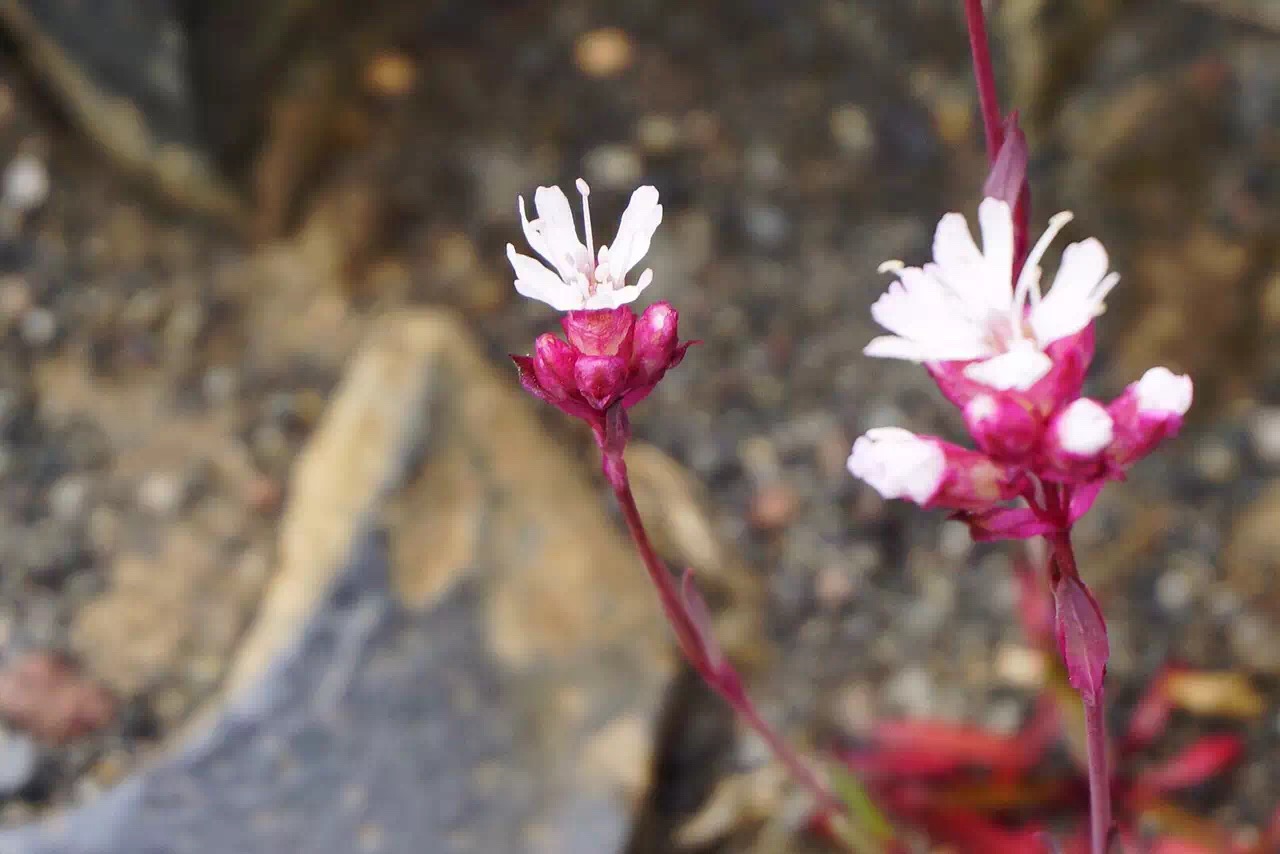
x: 288, y: 564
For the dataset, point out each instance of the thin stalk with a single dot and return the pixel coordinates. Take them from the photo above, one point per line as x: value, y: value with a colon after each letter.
x: 985, y: 76
x: 722, y: 678
x: 1095, y: 725
x: 1095, y: 719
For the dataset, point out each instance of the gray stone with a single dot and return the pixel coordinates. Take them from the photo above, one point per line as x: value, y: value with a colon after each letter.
x: 480, y: 660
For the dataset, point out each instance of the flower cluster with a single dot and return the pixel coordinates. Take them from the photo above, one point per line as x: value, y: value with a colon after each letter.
x: 608, y: 356
x: 1013, y: 360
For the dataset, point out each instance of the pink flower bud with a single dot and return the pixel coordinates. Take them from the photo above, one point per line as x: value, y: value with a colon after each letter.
x: 656, y: 350
x: 655, y: 340
x: 1077, y: 440
x: 553, y: 364
x: 601, y: 379
x: 1148, y: 412
x: 1002, y: 426
x: 899, y: 464
x: 1009, y: 171
x: 600, y: 332
x: 610, y: 358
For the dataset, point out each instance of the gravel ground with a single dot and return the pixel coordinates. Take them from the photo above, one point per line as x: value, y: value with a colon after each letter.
x: 796, y: 146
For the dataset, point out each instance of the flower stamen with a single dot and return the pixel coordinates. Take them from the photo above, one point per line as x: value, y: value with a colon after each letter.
x: 1028, y: 286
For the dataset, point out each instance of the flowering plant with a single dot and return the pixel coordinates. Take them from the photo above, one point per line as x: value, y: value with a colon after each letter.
x: 1011, y: 356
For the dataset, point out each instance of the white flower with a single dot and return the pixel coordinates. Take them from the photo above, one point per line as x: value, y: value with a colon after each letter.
x: 579, y: 278
x: 965, y: 305
x: 1084, y: 428
x: 898, y: 463
x: 1161, y: 391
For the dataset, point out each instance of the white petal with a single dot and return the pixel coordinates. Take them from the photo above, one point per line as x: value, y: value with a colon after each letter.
x: 898, y: 464
x: 920, y: 309
x: 535, y: 281
x: 635, y: 231
x: 996, y: 221
x: 1020, y: 368
x: 1078, y: 292
x: 963, y: 268
x: 533, y: 233
x: 1084, y: 428
x: 555, y: 221
x: 893, y: 347
x: 1162, y: 391
x: 612, y: 298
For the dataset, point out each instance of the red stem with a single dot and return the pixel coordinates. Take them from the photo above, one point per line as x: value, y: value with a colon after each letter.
x: 718, y: 674
x: 1095, y: 720
x: 985, y: 76
x: 1095, y: 724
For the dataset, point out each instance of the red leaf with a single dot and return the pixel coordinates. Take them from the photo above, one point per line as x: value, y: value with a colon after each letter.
x: 1082, y: 636
x: 1199, y: 762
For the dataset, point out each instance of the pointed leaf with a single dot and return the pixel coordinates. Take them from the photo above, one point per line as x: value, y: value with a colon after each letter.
x: 1082, y: 636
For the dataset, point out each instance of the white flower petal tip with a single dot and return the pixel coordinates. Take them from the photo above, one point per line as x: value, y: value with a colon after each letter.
x: 891, y: 266
x: 898, y: 464
x: 1084, y: 428
x: 1161, y: 391
x: 1017, y: 370
x: 965, y: 306
x: 577, y: 277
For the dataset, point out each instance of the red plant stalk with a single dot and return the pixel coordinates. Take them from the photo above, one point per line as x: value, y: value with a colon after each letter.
x: 687, y: 614
x: 1075, y: 604
x: 984, y: 76
x: 1092, y: 693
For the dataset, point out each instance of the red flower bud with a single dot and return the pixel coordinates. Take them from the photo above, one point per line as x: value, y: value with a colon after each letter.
x: 600, y: 332
x: 610, y: 357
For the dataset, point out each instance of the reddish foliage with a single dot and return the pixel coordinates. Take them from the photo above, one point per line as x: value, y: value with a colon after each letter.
x: 983, y: 793
x: 45, y: 695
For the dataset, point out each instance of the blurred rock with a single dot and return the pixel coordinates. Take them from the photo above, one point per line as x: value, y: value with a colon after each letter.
x: 141, y: 113
x: 457, y: 652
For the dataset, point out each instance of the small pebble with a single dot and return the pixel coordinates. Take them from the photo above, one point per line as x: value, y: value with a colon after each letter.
x: 852, y: 130
x: 1254, y: 639
x: 19, y: 762
x: 657, y: 134
x: 773, y: 506
x: 766, y: 225
x: 162, y: 493
x: 390, y: 74
x: 46, y: 696
x: 1003, y: 717
x: 912, y: 691
x: 833, y: 586
x: 1215, y: 461
x: 68, y: 497
x: 25, y: 184
x: 1020, y: 666
x: 15, y: 297
x: 38, y: 327
x: 1265, y: 433
x: 220, y: 384
x: 605, y: 52
x: 614, y: 167
x: 1175, y: 589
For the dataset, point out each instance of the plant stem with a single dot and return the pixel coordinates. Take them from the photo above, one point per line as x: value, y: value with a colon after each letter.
x: 1094, y: 702
x: 984, y: 75
x: 1095, y: 724
x: 717, y: 673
